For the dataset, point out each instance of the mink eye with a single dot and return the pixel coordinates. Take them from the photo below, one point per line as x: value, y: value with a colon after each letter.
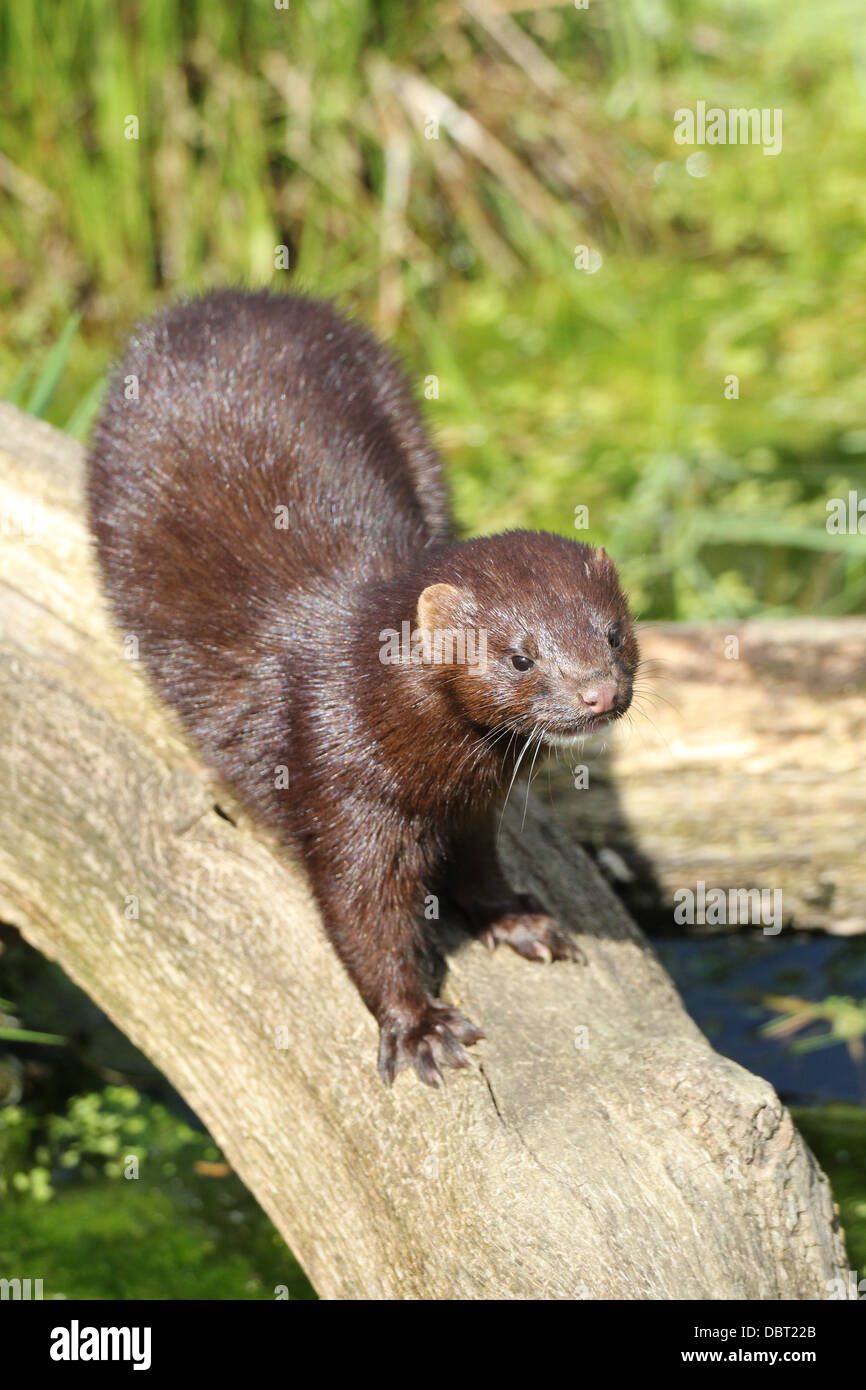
x: 522, y: 663
x: 614, y: 637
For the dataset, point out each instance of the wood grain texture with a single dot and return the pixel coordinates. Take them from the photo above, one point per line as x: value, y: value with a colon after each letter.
x: 641, y: 1165
x: 745, y: 772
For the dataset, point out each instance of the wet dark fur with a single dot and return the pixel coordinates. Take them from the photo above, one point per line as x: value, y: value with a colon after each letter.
x: 267, y: 640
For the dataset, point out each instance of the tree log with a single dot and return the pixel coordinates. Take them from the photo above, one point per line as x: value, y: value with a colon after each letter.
x: 596, y: 1148
x: 742, y: 767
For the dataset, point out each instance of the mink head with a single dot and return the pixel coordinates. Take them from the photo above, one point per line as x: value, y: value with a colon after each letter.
x: 530, y: 632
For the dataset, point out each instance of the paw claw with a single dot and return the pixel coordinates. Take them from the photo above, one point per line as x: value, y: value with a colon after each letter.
x: 432, y: 1037
x: 533, y: 934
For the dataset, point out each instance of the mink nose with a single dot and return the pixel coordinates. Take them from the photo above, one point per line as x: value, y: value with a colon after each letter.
x: 599, y: 698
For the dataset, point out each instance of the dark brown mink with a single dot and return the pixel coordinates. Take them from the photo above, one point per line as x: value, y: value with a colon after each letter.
x: 267, y: 509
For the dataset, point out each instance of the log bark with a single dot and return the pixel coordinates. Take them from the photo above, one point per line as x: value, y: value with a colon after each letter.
x: 597, y: 1147
x: 742, y: 767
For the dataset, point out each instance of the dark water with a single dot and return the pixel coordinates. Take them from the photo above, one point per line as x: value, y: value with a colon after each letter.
x: 722, y: 980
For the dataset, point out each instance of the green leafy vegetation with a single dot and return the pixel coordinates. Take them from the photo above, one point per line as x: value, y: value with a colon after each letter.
x: 119, y: 1198
x: 308, y: 128
x: 109, y: 1187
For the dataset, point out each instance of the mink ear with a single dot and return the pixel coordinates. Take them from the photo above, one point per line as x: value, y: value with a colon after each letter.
x: 441, y: 607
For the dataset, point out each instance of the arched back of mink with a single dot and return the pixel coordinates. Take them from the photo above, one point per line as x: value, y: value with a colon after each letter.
x: 266, y: 506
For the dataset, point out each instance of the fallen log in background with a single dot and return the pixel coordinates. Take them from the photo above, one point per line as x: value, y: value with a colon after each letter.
x: 597, y: 1147
x: 750, y: 774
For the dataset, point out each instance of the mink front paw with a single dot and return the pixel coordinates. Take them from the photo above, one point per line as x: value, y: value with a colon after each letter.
x: 427, y: 1039
x: 532, y: 932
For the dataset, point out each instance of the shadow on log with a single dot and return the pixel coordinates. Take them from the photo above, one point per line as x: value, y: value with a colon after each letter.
x: 746, y: 773
x: 639, y: 1165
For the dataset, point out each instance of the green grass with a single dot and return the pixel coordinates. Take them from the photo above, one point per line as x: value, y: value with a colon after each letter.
x: 260, y: 127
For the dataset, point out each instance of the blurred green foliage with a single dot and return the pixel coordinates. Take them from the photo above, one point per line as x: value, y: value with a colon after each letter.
x: 836, y: 1134
x: 101, y: 1134
x: 845, y: 1017
x: 73, y: 1115
x: 307, y: 128
x: 119, y: 1198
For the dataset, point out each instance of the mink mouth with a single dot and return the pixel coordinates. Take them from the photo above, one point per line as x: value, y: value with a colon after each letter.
x: 573, y: 733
